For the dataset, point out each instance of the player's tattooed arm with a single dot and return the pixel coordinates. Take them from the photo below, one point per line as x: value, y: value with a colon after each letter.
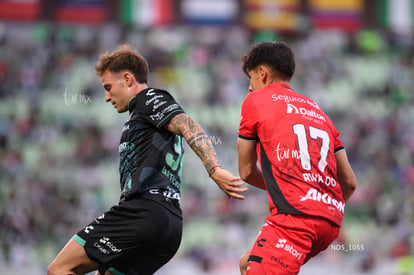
x: 196, y: 138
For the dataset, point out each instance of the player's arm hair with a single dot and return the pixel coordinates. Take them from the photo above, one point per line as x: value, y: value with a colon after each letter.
x: 345, y: 175
x: 196, y: 138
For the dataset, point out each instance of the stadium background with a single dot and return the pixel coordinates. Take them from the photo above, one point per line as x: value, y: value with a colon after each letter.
x: 59, y: 139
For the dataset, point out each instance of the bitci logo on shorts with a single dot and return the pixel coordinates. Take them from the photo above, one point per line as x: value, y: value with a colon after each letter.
x: 282, y: 244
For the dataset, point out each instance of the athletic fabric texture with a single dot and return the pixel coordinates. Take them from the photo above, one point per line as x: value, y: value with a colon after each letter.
x: 137, y: 236
x: 297, y: 142
x: 287, y: 241
x: 150, y: 156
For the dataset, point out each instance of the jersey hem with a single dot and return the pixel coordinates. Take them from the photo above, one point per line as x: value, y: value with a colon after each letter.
x: 169, y: 117
x: 115, y: 272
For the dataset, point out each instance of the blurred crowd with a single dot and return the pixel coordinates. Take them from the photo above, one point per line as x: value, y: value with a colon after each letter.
x: 58, y: 138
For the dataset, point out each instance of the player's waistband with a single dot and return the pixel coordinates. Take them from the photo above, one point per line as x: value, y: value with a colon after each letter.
x: 160, y: 194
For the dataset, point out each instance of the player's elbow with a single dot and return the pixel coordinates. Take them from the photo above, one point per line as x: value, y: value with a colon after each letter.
x: 348, y: 186
x: 245, y: 173
x: 352, y: 184
x: 350, y: 181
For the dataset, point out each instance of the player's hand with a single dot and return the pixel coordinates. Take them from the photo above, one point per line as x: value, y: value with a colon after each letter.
x: 230, y: 184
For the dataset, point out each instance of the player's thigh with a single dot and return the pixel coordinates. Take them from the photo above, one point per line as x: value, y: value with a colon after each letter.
x: 255, y: 268
x: 72, y: 258
x: 278, y: 251
x: 159, y: 252
x: 272, y: 265
x: 141, y: 244
x: 327, y: 233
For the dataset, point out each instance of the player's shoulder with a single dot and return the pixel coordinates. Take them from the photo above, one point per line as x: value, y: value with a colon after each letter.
x: 155, y: 97
x: 255, y: 94
x: 155, y: 92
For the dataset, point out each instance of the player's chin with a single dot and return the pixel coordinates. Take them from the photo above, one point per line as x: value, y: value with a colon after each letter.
x: 121, y: 110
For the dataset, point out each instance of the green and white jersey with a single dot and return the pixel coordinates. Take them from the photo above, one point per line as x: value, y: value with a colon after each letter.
x: 150, y: 156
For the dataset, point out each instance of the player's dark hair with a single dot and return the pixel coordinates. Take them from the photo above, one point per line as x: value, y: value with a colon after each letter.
x: 124, y: 58
x: 277, y: 55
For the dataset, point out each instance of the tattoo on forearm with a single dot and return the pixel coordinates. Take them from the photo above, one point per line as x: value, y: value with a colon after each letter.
x: 203, y: 147
x: 196, y: 139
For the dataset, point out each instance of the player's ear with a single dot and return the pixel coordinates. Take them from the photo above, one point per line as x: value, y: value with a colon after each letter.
x: 264, y: 73
x: 128, y: 77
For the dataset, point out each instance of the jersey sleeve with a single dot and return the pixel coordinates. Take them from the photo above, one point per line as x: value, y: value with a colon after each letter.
x: 338, y: 144
x: 248, y: 120
x: 158, y: 107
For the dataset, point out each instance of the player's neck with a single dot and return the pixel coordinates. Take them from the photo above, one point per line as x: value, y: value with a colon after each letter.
x: 140, y: 87
x: 277, y: 80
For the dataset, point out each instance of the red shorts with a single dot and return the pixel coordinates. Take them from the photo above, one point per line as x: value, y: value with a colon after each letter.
x: 286, y: 242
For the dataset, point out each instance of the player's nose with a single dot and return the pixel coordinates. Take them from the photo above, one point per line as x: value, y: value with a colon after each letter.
x: 107, y: 96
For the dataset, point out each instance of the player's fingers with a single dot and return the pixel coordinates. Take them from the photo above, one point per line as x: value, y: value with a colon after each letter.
x: 236, y: 193
x: 236, y: 196
x: 239, y: 190
x: 237, y: 183
x: 235, y: 188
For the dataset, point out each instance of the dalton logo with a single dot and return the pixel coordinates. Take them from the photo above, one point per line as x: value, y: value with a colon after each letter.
x: 282, y: 244
x: 291, y: 108
x: 303, y: 111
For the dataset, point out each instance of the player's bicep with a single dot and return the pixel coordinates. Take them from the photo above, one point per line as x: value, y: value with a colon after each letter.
x: 178, y: 124
x: 184, y: 126
x: 345, y: 174
x: 344, y: 170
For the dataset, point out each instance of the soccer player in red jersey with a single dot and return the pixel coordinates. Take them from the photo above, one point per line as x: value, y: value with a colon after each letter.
x: 303, y: 164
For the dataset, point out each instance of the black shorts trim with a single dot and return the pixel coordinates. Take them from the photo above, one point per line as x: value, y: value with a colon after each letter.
x: 253, y: 258
x: 173, y: 205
